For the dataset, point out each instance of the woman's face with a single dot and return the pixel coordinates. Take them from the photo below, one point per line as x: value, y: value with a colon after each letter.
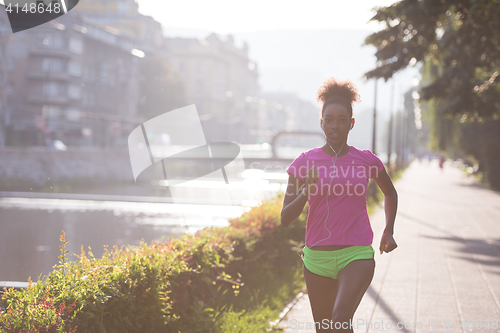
x: 336, y: 123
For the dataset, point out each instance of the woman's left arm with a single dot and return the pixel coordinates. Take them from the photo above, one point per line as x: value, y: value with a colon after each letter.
x: 387, y: 242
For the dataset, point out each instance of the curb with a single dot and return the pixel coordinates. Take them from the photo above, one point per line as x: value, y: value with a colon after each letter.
x: 285, y: 311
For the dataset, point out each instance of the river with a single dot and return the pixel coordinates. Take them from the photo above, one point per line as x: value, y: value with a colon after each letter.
x: 30, y: 227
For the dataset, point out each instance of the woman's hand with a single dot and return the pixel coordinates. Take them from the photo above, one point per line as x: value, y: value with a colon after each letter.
x: 387, y: 243
x: 312, y: 177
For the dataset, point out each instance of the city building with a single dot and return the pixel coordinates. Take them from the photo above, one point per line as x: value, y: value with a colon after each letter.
x: 221, y: 80
x: 286, y: 112
x: 80, y: 79
x: 71, y: 80
x: 5, y: 31
x: 124, y: 16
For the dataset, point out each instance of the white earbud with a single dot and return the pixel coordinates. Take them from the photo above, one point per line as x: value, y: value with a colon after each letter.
x: 352, y: 125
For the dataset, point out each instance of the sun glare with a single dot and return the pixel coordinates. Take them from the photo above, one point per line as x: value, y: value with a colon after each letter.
x: 225, y: 16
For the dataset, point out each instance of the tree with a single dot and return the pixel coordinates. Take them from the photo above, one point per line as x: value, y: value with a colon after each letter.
x: 459, y: 43
x: 460, y: 36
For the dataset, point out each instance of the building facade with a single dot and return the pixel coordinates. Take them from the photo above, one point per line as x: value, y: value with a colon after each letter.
x: 220, y: 79
x: 71, y: 80
x: 124, y: 16
x: 286, y: 112
x: 79, y: 79
x: 5, y: 32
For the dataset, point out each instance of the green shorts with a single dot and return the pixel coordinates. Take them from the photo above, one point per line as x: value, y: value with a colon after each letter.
x: 330, y: 263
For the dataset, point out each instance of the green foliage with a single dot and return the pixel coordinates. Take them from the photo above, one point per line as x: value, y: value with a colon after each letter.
x: 206, y: 282
x: 459, y: 44
x: 256, y: 320
x: 481, y: 141
x: 461, y: 38
x: 374, y: 194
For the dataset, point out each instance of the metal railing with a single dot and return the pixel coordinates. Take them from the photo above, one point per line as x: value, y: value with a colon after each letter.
x: 14, y: 284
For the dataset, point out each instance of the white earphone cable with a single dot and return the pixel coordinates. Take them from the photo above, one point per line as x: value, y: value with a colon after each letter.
x: 334, y: 162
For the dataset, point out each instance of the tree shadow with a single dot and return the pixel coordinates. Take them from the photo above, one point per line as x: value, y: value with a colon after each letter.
x: 480, y: 186
x: 467, y: 246
x: 379, y: 301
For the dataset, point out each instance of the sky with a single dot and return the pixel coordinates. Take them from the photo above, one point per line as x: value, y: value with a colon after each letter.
x: 246, y: 19
x: 236, y: 16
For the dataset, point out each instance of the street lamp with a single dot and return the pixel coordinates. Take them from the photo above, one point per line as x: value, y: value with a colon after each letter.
x: 389, y: 143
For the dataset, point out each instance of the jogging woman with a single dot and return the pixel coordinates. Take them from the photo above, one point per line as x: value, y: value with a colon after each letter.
x: 338, y: 255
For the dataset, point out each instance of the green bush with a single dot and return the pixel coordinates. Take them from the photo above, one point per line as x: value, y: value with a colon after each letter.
x: 214, y: 281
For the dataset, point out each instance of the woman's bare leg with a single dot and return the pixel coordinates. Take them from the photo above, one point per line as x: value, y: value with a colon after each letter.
x: 353, y: 281
x: 322, y: 292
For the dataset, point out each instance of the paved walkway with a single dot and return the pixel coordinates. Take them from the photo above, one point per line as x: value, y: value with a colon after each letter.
x: 445, y: 274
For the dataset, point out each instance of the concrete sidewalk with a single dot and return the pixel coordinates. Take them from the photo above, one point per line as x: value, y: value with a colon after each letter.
x: 445, y: 274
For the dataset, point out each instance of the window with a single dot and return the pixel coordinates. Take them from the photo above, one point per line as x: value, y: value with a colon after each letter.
x: 51, y: 89
x: 54, y: 111
x: 74, y: 91
x: 72, y: 114
x: 76, y: 45
x: 74, y: 68
x: 51, y: 111
x: 89, y: 74
x: 107, y: 77
x: 53, y: 40
x: 52, y: 65
x: 88, y: 98
x: 104, y: 76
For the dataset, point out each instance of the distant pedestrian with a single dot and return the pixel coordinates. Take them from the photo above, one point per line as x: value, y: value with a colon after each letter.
x: 441, y: 160
x: 338, y: 257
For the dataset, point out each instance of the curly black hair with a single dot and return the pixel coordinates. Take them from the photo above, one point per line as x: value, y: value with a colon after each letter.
x: 332, y: 91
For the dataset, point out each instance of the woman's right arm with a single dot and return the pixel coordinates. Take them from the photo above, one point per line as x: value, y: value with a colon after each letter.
x: 294, y: 201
